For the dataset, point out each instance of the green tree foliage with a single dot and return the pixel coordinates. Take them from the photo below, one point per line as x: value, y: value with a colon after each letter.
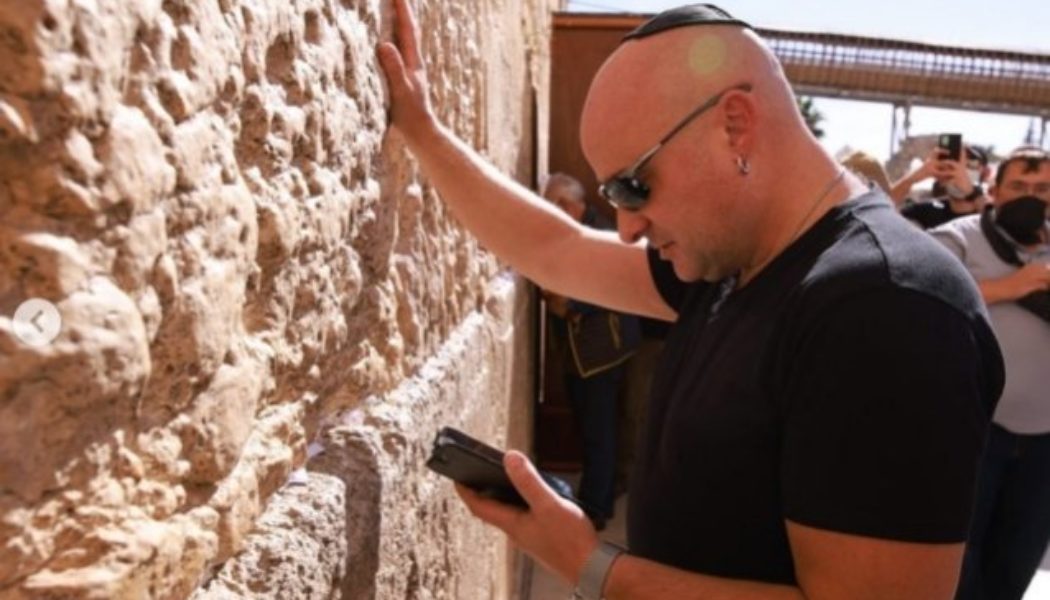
x: 812, y: 116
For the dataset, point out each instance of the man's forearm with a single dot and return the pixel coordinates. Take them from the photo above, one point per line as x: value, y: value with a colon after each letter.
x: 900, y: 190
x: 998, y: 290
x: 633, y: 578
x: 505, y: 216
x: 538, y: 240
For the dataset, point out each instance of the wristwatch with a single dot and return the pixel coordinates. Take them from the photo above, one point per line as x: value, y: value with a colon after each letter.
x: 596, y: 571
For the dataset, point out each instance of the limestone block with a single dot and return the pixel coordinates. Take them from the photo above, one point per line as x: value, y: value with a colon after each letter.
x: 268, y: 456
x: 58, y: 397
x: 373, y: 448
x: 21, y: 72
x: 216, y: 431
x: 297, y: 549
x: 16, y: 123
x: 133, y: 154
x: 172, y: 549
x: 54, y: 266
x: 243, y: 258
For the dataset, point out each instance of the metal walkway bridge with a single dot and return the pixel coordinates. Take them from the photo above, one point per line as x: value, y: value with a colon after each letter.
x: 898, y: 72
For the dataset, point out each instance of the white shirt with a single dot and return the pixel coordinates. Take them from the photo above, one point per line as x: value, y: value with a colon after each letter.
x: 1023, y: 337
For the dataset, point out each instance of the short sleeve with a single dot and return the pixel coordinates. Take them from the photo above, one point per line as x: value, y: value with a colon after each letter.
x: 672, y: 289
x: 886, y: 409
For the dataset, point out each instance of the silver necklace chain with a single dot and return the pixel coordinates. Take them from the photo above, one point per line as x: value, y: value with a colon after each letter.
x: 801, y: 224
x: 827, y: 190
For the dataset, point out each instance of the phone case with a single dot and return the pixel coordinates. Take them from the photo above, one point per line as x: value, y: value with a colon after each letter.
x: 479, y: 466
x: 952, y: 143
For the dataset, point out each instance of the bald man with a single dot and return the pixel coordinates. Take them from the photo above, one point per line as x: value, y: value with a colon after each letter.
x: 798, y: 443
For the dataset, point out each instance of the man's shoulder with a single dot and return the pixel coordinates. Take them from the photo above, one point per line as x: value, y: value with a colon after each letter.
x: 966, y: 227
x: 965, y: 238
x: 875, y: 248
x: 872, y: 241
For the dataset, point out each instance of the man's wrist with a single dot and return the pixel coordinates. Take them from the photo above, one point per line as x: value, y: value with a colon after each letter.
x: 916, y: 176
x: 428, y: 131
x: 974, y: 194
x: 595, y: 571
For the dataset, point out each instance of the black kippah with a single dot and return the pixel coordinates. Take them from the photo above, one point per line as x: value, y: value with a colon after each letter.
x: 690, y: 14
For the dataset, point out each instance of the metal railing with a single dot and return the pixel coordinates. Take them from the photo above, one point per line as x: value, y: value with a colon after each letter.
x: 903, y: 72
x: 885, y: 70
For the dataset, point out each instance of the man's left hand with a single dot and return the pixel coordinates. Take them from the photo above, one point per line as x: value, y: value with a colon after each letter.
x: 553, y: 530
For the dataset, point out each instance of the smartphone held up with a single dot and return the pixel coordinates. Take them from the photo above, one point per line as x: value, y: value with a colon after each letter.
x: 951, y: 145
x: 479, y: 466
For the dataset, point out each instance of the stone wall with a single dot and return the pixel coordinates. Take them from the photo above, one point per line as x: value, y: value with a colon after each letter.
x: 266, y: 312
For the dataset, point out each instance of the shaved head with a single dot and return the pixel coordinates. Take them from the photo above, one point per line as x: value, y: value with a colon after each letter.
x: 731, y: 187
x: 648, y: 84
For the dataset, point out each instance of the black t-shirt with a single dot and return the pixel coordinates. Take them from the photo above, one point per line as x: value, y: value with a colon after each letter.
x: 847, y: 387
x: 931, y: 214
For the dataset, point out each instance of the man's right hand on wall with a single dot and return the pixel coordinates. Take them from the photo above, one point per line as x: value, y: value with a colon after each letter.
x: 406, y: 74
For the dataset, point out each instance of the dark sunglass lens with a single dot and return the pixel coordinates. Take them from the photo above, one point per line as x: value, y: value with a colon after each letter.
x: 627, y: 193
x: 632, y: 193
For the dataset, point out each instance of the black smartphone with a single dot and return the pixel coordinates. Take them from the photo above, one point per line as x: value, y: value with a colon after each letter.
x: 479, y: 466
x: 951, y: 143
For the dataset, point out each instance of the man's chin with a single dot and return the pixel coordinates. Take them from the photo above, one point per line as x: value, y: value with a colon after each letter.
x: 687, y: 273
x: 691, y: 272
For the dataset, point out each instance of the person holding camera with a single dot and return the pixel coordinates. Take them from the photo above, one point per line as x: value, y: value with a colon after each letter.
x: 797, y: 443
x: 1007, y: 250
x: 958, y: 186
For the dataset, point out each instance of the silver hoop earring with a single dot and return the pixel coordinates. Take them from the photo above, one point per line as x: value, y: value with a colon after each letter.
x: 742, y: 165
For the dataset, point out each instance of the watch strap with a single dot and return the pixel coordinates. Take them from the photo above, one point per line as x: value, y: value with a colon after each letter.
x: 596, y: 570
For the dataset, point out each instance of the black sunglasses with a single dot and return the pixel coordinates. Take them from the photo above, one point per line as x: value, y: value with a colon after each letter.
x: 626, y: 190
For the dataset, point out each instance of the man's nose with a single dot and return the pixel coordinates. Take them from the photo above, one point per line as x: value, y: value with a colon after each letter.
x: 631, y: 225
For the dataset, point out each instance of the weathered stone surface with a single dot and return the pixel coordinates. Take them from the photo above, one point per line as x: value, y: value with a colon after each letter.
x: 380, y: 448
x: 296, y: 550
x: 244, y: 261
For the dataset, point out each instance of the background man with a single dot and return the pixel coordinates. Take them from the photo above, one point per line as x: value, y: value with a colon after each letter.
x: 1006, y: 250
x: 594, y: 395
x: 796, y: 444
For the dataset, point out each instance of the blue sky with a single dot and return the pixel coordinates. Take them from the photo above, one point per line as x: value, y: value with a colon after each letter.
x: 1004, y: 24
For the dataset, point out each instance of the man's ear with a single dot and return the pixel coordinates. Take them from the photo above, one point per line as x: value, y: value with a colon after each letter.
x: 739, y: 113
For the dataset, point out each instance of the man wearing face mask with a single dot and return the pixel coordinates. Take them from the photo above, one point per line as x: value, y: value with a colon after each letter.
x: 1007, y: 250
x: 958, y: 188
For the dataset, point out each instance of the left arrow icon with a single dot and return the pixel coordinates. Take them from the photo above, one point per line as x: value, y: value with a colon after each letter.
x: 37, y: 322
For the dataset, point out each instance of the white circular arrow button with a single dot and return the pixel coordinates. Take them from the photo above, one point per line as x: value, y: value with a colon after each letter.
x: 37, y: 322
